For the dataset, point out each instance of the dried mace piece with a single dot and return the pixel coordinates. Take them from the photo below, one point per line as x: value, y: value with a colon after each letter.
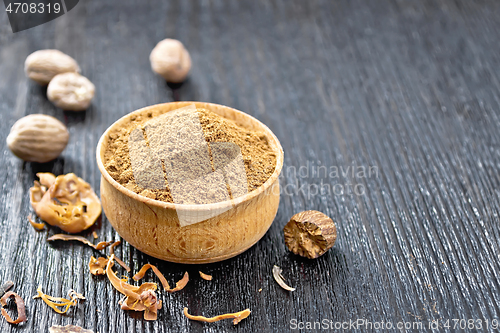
x: 310, y: 234
x: 179, y: 285
x: 97, y: 266
x: 139, y: 275
x: 137, y: 298
x: 118, y: 260
x: 65, y: 201
x: 99, y: 246
x: 59, y: 302
x: 21, y: 309
x: 205, y: 276
x: 237, y: 316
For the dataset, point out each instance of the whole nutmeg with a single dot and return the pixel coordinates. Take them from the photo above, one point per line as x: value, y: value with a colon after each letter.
x: 71, y: 91
x: 310, y: 234
x: 171, y: 60
x: 38, y: 138
x: 41, y: 66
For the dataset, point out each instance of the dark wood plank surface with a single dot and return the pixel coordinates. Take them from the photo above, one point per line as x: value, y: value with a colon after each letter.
x: 409, y: 89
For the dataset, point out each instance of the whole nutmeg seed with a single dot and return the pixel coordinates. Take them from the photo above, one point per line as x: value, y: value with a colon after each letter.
x: 71, y: 91
x: 41, y: 66
x: 310, y: 234
x: 171, y: 60
x: 37, y: 138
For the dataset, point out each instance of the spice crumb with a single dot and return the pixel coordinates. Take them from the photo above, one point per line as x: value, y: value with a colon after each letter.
x: 279, y: 279
x: 205, y: 276
x: 6, y: 287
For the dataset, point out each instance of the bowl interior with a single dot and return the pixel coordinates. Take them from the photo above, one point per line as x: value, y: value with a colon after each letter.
x: 240, y: 118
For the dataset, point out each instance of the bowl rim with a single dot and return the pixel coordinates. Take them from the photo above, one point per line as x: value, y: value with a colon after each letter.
x: 191, y: 207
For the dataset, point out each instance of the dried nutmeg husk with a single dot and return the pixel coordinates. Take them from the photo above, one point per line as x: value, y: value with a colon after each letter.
x: 65, y: 201
x: 310, y: 234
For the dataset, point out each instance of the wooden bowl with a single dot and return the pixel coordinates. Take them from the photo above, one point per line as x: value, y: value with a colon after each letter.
x: 153, y: 227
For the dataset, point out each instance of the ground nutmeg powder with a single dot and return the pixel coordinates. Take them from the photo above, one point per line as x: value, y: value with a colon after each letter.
x: 258, y: 157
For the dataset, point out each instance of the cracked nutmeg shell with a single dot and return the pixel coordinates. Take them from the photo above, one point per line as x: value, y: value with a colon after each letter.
x: 310, y: 234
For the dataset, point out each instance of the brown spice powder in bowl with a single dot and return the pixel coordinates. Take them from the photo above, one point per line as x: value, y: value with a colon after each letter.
x: 258, y: 157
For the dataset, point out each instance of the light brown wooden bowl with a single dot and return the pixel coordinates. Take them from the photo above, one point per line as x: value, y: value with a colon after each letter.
x: 152, y: 226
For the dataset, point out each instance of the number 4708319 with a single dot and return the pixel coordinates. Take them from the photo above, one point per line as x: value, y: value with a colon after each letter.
x: 33, y: 8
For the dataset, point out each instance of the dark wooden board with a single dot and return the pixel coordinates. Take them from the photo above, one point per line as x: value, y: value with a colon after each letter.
x: 408, y: 88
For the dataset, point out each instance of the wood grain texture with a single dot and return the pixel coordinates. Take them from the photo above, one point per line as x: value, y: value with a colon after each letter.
x: 410, y: 89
